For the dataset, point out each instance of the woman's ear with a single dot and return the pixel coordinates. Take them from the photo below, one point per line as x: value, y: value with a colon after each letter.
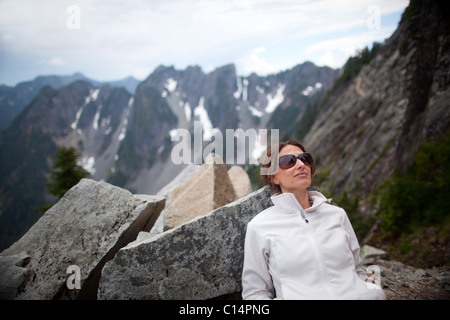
x: 275, y: 180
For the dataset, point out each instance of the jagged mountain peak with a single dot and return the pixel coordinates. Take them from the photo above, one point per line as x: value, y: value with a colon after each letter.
x: 14, y: 99
x: 128, y: 139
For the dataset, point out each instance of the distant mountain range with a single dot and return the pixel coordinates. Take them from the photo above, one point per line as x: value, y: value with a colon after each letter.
x: 14, y: 99
x: 125, y: 135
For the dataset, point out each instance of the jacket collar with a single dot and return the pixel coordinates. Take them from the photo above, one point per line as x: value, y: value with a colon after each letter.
x: 287, y: 201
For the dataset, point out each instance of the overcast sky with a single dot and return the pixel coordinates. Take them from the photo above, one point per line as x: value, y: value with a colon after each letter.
x: 112, y: 39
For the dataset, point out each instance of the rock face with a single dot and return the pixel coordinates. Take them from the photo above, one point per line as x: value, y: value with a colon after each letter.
x: 206, y: 189
x: 201, y: 259
x: 398, y: 100
x: 240, y: 180
x: 81, y: 232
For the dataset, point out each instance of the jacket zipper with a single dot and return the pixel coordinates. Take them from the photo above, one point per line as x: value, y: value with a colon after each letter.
x: 302, y: 213
x: 322, y: 272
x: 317, y: 254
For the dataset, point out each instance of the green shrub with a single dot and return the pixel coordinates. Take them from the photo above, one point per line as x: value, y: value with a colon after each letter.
x: 421, y: 196
x: 355, y: 63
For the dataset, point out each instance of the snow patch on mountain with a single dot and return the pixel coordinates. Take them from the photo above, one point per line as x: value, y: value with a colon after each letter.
x: 93, y: 95
x: 258, y: 149
x: 238, y: 92
x: 170, y: 85
x: 88, y: 163
x: 245, y: 90
x: 274, y: 101
x: 255, y: 111
x: 311, y: 89
x: 202, y: 114
x: 96, y: 119
x: 187, y: 111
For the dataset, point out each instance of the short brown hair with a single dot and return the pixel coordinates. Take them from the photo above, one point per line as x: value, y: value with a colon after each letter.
x: 268, y: 178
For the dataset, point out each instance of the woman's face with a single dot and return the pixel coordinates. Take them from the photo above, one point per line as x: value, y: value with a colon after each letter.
x: 296, y: 178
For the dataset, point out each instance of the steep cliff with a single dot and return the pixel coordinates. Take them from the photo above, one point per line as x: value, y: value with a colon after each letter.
x: 373, y: 123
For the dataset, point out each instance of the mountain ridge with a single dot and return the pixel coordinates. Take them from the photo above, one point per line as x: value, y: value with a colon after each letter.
x: 14, y: 98
x: 126, y: 139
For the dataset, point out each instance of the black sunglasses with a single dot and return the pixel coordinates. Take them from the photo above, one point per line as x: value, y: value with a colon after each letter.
x: 289, y: 160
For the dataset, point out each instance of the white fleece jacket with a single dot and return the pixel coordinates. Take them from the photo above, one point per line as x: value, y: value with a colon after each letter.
x: 291, y: 253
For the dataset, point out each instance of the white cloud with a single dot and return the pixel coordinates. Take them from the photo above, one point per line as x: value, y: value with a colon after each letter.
x: 56, y: 61
x: 253, y: 62
x: 7, y: 38
x: 335, y: 52
x: 116, y: 38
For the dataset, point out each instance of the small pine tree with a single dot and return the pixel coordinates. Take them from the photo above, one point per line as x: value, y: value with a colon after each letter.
x: 65, y: 172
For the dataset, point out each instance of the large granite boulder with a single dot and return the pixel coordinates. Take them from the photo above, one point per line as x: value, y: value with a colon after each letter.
x: 206, y: 189
x: 200, y: 259
x: 62, y: 255
x: 158, y: 227
x: 240, y: 180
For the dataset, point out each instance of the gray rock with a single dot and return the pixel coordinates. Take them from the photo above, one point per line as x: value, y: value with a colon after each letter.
x: 403, y: 282
x: 208, y: 188
x: 200, y: 259
x: 240, y: 180
x: 184, y: 175
x: 369, y: 255
x: 84, y: 230
x: 13, y: 275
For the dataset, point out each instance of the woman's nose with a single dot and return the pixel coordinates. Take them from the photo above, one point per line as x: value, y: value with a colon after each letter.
x: 299, y: 163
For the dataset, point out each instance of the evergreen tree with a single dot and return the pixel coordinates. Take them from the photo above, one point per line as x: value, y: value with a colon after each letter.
x: 65, y: 172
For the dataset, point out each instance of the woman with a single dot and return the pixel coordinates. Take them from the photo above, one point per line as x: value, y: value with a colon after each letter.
x: 302, y: 247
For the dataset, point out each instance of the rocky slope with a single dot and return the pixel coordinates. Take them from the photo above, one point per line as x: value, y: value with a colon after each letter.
x: 404, y: 282
x: 373, y: 124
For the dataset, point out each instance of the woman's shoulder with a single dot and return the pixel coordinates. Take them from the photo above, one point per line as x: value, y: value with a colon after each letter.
x: 265, y: 217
